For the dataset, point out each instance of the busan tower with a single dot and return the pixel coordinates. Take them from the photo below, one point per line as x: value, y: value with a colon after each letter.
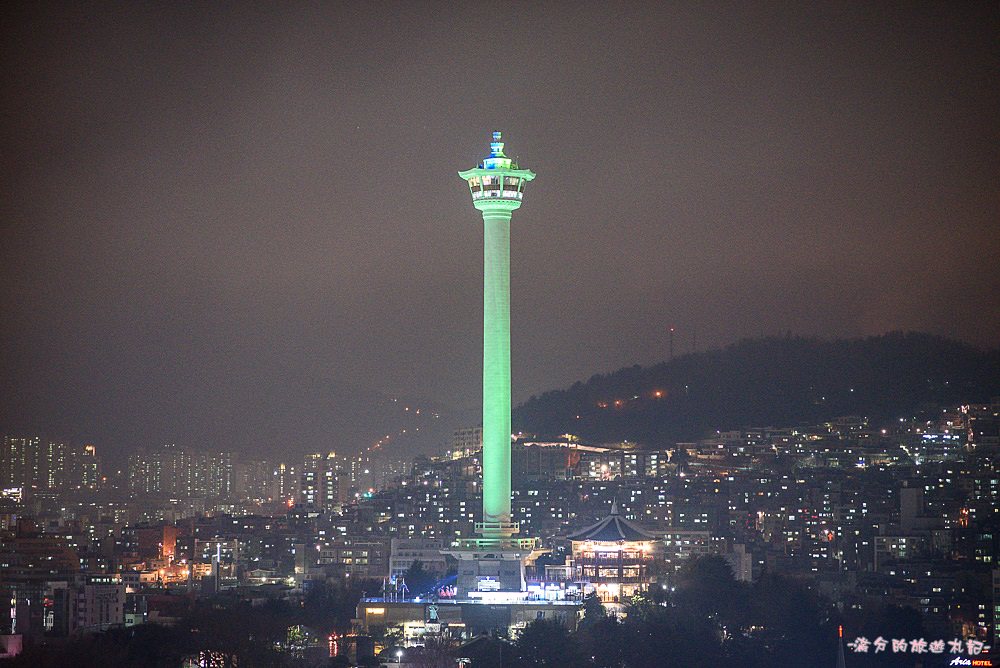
x: 494, y: 560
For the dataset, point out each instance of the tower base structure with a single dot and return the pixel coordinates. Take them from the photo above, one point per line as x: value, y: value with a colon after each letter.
x: 494, y: 561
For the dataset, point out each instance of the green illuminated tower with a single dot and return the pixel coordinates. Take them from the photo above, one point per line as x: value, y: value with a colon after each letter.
x: 495, y: 556
x: 497, y: 186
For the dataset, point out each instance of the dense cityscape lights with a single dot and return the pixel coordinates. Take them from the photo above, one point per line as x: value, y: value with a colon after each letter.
x: 739, y: 355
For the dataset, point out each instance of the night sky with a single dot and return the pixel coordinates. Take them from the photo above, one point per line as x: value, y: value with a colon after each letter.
x: 233, y: 227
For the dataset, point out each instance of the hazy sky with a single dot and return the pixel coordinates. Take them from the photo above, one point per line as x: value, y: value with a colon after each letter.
x: 227, y: 224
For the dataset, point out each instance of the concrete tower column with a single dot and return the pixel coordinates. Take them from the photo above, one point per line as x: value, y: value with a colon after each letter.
x: 496, y: 367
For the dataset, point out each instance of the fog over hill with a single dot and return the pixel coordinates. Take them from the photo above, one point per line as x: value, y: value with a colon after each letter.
x: 773, y: 381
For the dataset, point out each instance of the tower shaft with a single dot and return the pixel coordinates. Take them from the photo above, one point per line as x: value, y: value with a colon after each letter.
x: 496, y: 368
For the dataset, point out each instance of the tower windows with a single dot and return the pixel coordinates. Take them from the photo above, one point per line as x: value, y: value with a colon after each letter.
x: 505, y: 187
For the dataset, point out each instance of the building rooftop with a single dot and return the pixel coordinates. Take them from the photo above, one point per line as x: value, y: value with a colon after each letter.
x: 612, y: 529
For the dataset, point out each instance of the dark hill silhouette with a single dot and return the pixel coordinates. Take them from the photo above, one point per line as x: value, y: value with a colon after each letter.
x: 768, y: 382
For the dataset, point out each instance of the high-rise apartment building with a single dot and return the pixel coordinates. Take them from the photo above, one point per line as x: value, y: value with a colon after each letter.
x: 33, y: 463
x: 177, y: 472
x: 87, y: 467
x: 286, y: 482
x: 319, y: 482
x: 254, y: 480
x: 19, y: 461
x: 53, y: 466
x: 466, y: 442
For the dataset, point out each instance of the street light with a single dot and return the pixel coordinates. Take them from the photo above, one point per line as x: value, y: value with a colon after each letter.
x: 399, y: 656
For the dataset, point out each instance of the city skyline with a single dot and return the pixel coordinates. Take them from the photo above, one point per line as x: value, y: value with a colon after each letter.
x: 904, y: 509
x: 237, y: 225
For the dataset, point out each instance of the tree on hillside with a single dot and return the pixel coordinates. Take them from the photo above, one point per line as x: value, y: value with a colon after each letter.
x: 418, y: 580
x: 602, y: 641
x: 707, y: 589
x: 546, y: 644
x: 593, y: 610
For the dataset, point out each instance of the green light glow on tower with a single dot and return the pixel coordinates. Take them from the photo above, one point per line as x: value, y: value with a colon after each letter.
x: 496, y: 186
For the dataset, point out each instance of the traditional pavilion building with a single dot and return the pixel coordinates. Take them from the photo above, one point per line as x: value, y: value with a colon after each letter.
x: 614, y: 556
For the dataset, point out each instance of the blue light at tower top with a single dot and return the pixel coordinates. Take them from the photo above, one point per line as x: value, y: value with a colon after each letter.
x: 496, y: 159
x: 496, y: 146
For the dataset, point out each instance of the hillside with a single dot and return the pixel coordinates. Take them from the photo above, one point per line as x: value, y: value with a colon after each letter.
x: 770, y: 381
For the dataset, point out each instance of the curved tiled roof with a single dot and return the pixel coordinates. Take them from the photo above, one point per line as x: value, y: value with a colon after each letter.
x: 612, y: 529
